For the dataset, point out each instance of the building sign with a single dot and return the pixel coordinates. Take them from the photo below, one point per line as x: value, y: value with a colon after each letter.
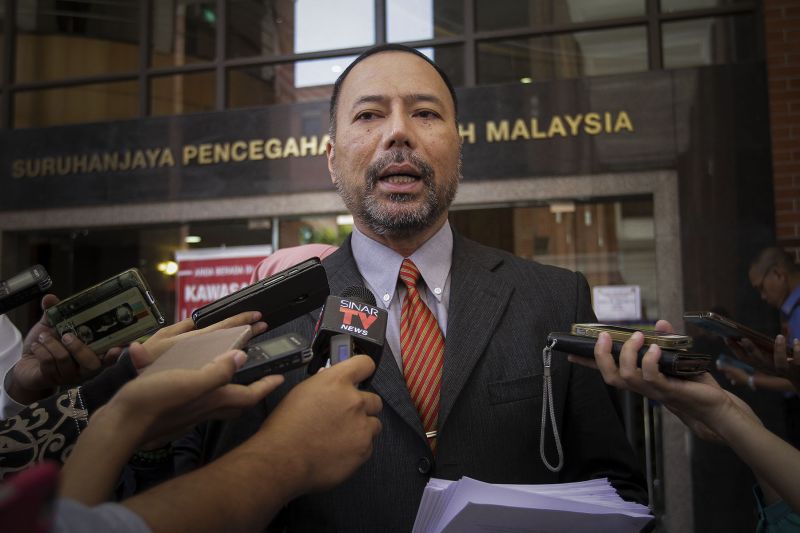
x: 206, y: 275
x: 509, y: 131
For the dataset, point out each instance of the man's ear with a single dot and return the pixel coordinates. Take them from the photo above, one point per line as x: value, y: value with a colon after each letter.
x: 330, y: 152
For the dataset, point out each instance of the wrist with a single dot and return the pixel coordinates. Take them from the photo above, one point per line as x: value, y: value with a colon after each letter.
x: 23, y: 393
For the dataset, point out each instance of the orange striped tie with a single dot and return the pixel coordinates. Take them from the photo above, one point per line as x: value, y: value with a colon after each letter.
x: 422, y: 348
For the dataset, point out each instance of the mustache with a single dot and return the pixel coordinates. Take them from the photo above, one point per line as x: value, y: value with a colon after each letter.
x: 402, y: 155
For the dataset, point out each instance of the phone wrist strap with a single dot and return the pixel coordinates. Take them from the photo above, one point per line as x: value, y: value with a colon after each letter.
x: 547, y: 405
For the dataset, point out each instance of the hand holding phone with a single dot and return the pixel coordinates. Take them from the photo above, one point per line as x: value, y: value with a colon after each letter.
x: 194, y: 352
x: 730, y: 329
x: 280, y: 298
x: 674, y: 363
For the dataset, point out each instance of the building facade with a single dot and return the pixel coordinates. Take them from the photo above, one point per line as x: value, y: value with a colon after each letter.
x: 647, y: 143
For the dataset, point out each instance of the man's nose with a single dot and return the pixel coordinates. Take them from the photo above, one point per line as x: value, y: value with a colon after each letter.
x: 400, y: 132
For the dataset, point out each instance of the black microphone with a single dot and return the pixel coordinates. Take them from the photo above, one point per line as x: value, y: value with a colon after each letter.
x: 349, y: 324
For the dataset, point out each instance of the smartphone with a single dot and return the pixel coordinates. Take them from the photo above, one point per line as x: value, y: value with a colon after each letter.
x: 273, y: 356
x: 673, y: 362
x: 672, y: 341
x: 194, y: 352
x: 112, y: 313
x: 725, y: 327
x: 23, y: 287
x: 280, y: 298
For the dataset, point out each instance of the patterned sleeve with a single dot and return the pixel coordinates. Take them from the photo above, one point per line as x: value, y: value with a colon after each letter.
x: 43, y: 430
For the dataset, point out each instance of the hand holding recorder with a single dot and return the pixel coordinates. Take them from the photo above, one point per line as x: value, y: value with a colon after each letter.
x: 49, y: 360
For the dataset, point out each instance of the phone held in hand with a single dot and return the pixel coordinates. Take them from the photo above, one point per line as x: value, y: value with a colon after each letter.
x: 672, y: 341
x: 194, y: 352
x: 280, y: 298
x: 676, y: 363
x: 23, y: 287
x: 273, y: 356
x: 112, y: 313
x: 729, y: 329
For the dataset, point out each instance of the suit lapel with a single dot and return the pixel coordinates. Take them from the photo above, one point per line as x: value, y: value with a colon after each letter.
x: 478, y: 298
x: 388, y: 381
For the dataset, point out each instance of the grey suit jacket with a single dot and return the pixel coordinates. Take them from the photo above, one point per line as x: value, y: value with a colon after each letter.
x: 501, y: 310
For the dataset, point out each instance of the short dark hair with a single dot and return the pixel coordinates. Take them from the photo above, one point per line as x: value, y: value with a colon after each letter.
x: 391, y: 47
x: 772, y: 257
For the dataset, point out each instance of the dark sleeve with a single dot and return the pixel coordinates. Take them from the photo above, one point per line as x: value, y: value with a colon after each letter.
x: 593, y: 427
x: 49, y: 428
x: 98, y: 390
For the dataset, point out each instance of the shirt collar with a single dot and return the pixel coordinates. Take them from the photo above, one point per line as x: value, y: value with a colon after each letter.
x: 380, y: 265
x: 791, y: 302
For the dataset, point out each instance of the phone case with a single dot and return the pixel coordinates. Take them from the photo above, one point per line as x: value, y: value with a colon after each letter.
x: 112, y: 313
x: 196, y: 351
x: 672, y: 363
x: 672, y: 341
x: 280, y: 298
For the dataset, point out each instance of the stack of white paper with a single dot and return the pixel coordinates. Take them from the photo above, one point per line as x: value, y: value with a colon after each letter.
x: 468, y: 505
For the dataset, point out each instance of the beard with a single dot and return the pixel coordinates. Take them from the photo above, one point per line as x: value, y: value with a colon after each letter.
x: 398, y: 214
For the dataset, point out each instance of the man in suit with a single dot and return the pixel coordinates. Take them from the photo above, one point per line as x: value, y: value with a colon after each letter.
x: 462, y: 375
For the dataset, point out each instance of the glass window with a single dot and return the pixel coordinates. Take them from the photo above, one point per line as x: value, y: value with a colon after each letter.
x: 275, y: 27
x: 708, y: 41
x: 416, y: 20
x: 285, y: 82
x: 331, y: 229
x: 183, y: 32
x: 182, y: 93
x: 67, y: 39
x: 73, y: 105
x: 450, y: 59
x: 571, y: 55
x: 509, y: 14
x: 310, y: 80
x: 611, y: 243
x: 669, y: 6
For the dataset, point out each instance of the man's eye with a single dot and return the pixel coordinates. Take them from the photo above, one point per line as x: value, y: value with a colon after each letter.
x: 426, y: 114
x: 366, y: 115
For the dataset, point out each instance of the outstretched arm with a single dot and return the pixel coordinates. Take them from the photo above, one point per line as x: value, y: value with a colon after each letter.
x: 708, y: 409
x: 316, y: 437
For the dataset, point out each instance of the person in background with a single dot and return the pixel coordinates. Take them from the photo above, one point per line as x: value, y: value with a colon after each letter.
x: 286, y: 257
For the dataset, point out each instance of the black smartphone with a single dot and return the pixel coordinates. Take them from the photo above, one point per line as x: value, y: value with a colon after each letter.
x: 725, y: 327
x: 112, y: 313
x: 273, y: 356
x: 674, y: 363
x: 280, y: 298
x: 23, y: 287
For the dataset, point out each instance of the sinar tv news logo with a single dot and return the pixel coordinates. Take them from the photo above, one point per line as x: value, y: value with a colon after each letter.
x: 367, y: 315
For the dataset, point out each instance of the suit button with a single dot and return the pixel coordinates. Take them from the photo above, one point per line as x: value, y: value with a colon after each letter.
x: 424, y: 466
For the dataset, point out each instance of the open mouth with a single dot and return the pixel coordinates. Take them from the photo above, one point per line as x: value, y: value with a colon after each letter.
x: 399, y: 174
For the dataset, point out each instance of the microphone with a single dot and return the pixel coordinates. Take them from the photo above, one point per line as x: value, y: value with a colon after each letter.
x: 349, y: 324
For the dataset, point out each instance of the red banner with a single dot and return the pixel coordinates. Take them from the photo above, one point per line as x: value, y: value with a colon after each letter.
x: 206, y: 275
